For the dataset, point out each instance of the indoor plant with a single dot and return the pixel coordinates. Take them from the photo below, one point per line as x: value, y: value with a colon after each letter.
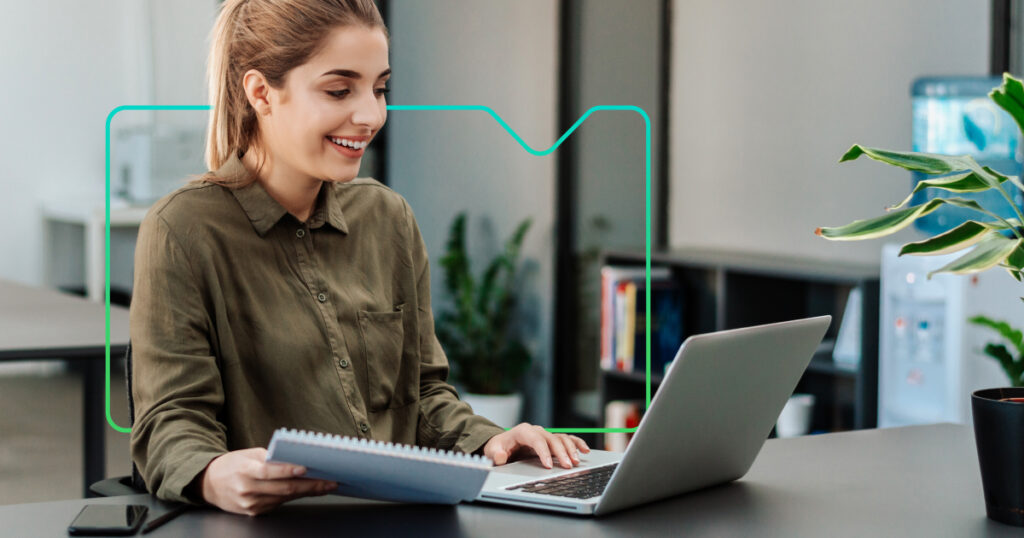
x: 487, y: 359
x: 993, y: 240
x: 1012, y: 363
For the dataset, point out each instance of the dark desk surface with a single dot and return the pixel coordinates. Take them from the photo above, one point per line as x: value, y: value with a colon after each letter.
x: 44, y: 323
x: 916, y: 481
x: 40, y: 323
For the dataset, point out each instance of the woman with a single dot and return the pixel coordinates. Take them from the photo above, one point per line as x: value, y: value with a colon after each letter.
x: 279, y: 291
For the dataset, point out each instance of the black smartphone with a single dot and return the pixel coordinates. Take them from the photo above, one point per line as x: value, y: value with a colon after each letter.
x: 116, y: 519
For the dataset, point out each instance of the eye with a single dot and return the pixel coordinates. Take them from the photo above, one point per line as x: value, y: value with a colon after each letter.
x: 338, y: 93
x: 383, y: 91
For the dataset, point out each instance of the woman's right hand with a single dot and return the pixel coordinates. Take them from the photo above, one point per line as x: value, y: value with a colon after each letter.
x: 243, y: 482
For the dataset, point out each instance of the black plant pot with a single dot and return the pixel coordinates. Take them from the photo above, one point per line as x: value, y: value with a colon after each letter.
x: 999, y: 434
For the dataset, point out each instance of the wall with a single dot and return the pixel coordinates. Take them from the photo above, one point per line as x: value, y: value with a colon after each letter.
x: 503, y: 55
x: 766, y: 96
x: 75, y: 62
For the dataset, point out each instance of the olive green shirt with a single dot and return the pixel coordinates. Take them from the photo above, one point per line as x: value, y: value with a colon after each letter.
x: 244, y: 320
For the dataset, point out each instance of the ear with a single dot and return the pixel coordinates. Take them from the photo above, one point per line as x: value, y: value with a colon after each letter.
x: 257, y: 91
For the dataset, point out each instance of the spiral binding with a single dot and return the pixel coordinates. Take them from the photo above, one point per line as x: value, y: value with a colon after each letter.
x: 370, y: 446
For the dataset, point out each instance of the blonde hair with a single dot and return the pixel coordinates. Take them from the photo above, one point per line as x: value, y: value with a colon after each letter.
x: 272, y: 37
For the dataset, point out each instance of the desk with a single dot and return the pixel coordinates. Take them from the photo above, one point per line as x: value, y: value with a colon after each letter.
x: 38, y: 323
x: 915, y: 481
x: 93, y: 220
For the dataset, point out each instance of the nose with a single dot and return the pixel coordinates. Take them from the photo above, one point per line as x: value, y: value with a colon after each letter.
x: 369, y: 111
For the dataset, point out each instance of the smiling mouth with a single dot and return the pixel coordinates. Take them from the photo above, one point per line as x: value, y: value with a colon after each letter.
x: 348, y: 143
x: 345, y: 150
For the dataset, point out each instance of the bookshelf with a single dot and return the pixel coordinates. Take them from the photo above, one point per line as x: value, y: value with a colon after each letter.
x: 727, y: 290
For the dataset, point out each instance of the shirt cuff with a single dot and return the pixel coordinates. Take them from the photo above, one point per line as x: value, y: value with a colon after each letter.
x: 477, y: 437
x: 175, y: 485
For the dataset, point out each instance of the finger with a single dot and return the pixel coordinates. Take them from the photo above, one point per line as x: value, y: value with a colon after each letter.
x: 539, y: 444
x: 557, y: 448
x: 291, y: 487
x: 328, y: 487
x: 580, y: 443
x: 257, y: 453
x: 275, y: 471
x: 500, y: 456
x: 570, y: 448
x: 259, y: 504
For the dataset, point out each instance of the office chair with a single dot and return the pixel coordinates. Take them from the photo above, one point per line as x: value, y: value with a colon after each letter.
x: 130, y: 484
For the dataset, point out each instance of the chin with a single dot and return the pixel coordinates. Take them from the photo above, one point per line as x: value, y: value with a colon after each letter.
x: 341, y: 178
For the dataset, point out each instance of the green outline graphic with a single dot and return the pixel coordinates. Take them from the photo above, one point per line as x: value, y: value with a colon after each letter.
x: 591, y: 110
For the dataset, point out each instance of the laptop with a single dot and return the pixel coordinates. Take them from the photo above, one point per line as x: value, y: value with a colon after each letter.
x: 713, y: 411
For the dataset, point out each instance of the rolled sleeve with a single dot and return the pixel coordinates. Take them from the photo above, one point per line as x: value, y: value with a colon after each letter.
x: 176, y: 382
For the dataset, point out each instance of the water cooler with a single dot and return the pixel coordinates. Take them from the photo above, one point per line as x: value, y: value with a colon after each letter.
x: 930, y: 357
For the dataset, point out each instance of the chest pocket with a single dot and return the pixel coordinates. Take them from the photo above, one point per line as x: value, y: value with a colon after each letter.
x: 392, y: 374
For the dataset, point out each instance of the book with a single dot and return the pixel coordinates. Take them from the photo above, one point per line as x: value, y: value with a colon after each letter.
x: 613, y: 311
x: 383, y: 471
x: 666, y: 327
x: 624, y: 316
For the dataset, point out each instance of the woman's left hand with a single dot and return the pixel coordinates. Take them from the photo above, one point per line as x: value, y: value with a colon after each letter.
x: 529, y: 439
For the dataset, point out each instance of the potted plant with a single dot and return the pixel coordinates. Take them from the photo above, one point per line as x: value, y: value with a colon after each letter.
x: 487, y: 359
x: 991, y: 241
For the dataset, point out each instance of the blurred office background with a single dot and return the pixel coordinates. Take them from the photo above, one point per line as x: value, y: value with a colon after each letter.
x: 751, y: 105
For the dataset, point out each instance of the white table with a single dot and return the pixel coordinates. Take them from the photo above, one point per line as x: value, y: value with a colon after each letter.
x: 93, y: 220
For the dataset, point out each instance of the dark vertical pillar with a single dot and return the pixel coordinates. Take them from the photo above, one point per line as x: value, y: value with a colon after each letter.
x: 664, y: 80
x: 866, y: 407
x: 93, y: 422
x: 566, y: 285
x: 999, y: 54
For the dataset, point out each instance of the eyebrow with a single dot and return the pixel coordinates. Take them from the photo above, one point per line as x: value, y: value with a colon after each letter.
x: 355, y: 75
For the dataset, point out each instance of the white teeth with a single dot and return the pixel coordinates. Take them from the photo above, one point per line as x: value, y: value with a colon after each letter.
x: 349, y: 143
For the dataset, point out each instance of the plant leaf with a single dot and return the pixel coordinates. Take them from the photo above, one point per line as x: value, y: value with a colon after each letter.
x: 928, y: 163
x: 1010, y: 97
x: 991, y: 250
x: 1012, y: 368
x: 1012, y: 335
x: 988, y: 175
x: 959, y: 238
x: 1002, y: 177
x: 1016, y: 260
x: 503, y: 301
x: 885, y: 224
x: 455, y: 260
x: 962, y: 182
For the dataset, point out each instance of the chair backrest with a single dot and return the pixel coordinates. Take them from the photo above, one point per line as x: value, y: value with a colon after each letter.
x: 137, y: 481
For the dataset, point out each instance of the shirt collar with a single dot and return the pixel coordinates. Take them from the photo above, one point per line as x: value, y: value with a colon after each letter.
x: 264, y: 211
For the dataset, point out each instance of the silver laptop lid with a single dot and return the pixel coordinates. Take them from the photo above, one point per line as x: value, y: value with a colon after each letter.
x: 713, y: 411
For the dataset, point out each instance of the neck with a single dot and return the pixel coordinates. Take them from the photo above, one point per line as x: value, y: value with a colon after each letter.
x: 295, y: 191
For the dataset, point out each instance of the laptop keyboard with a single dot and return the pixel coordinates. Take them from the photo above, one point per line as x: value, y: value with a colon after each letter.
x: 581, y: 485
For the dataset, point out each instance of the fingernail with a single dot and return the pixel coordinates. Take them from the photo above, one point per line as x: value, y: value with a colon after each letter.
x: 298, y: 471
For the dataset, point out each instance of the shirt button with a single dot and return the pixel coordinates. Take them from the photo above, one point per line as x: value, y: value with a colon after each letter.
x: 300, y: 233
x: 343, y: 363
x: 363, y: 427
x: 322, y: 297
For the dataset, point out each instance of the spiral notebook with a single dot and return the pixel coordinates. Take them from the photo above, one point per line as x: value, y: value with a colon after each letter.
x: 383, y: 471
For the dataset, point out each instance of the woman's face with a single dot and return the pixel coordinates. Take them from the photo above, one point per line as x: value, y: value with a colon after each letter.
x: 332, y: 101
